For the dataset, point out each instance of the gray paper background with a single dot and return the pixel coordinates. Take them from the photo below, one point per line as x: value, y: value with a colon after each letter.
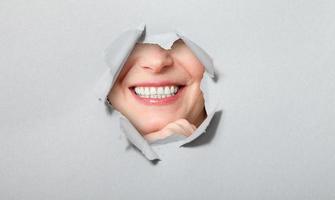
x: 275, y: 137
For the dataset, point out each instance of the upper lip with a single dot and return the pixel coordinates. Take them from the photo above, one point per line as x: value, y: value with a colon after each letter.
x: 156, y: 83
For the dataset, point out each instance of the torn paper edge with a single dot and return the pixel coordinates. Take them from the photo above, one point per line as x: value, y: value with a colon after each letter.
x: 117, y: 54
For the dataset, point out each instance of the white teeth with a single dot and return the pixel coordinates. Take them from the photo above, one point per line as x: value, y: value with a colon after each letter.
x: 160, y: 90
x: 146, y: 91
x: 156, y: 92
x: 167, y: 90
x: 172, y: 89
x: 152, y: 90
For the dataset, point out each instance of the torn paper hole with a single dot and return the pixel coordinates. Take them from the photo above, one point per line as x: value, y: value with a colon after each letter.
x: 161, y: 86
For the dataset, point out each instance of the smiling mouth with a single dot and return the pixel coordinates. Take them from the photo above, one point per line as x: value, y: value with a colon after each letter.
x: 157, y: 95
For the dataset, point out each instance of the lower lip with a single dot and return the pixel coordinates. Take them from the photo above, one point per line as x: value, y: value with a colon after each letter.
x: 157, y: 101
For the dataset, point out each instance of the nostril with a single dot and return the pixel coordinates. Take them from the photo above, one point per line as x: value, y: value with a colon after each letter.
x: 157, y: 63
x: 156, y: 68
x: 146, y: 67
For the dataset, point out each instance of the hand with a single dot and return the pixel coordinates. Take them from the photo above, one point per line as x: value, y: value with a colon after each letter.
x: 181, y: 126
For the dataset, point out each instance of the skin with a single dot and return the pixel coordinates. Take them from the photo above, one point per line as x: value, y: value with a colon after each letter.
x: 151, y: 63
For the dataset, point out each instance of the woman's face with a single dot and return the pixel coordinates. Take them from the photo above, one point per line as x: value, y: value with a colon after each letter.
x: 158, y: 86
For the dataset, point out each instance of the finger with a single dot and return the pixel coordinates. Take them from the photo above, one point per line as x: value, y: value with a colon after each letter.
x: 151, y: 137
x: 175, y: 128
x: 170, y: 129
x: 185, y: 125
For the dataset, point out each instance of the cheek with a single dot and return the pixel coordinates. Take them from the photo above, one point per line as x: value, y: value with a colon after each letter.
x: 191, y: 64
x: 197, y: 72
x: 116, y: 97
x: 196, y: 78
x: 195, y: 69
x: 194, y: 97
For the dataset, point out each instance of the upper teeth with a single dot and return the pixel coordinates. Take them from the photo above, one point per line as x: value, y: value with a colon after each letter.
x: 156, y: 92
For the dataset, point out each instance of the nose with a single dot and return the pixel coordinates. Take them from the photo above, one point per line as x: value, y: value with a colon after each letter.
x: 158, y: 61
